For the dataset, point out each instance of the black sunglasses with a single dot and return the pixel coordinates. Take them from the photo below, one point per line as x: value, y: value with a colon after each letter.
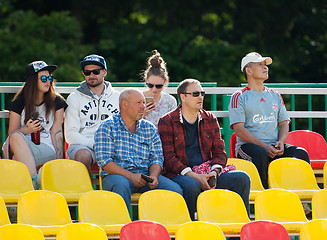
x: 95, y: 72
x: 158, y: 86
x: 196, y: 93
x: 44, y: 78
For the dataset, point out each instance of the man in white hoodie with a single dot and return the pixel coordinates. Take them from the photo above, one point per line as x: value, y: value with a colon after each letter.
x: 91, y: 103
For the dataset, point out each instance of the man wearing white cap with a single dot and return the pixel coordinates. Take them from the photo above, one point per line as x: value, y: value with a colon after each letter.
x: 260, y: 120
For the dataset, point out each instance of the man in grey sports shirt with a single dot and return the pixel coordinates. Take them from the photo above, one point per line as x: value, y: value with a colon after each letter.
x: 260, y: 120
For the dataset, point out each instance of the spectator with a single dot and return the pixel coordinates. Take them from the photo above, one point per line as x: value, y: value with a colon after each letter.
x: 91, y: 103
x: 191, y: 141
x: 260, y: 120
x: 127, y: 146
x: 36, y: 109
x: 156, y: 78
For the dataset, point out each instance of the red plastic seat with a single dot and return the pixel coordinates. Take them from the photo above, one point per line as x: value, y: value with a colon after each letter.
x: 232, y: 146
x: 267, y: 230
x: 313, y: 142
x: 144, y: 230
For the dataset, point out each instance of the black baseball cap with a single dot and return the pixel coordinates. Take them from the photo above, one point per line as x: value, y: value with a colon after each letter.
x: 37, y: 66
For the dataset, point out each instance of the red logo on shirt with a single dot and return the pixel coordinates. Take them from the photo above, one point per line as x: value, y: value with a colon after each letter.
x: 262, y: 100
x: 274, y: 106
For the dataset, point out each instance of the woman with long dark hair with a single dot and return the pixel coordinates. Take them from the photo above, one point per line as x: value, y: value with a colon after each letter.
x: 35, y: 121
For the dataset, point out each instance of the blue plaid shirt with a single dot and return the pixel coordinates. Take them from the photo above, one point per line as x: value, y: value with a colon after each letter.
x: 135, y: 152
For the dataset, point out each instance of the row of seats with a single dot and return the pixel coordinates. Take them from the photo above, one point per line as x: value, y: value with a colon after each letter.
x: 49, y: 211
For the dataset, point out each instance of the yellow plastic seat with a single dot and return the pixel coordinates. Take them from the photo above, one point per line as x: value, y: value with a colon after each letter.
x: 43, y: 209
x: 314, y: 230
x: 20, y: 232
x: 67, y: 177
x: 4, y: 218
x: 134, y: 198
x: 319, y: 204
x: 293, y: 174
x: 199, y: 230
x: 165, y: 207
x: 325, y: 175
x: 223, y: 208
x: 81, y: 231
x: 15, y: 180
x: 251, y: 170
x: 105, y: 209
x: 280, y: 206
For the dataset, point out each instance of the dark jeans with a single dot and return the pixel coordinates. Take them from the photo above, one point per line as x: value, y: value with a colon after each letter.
x: 259, y: 157
x: 236, y: 181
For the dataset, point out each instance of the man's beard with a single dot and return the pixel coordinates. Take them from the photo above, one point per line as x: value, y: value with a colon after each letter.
x: 95, y: 84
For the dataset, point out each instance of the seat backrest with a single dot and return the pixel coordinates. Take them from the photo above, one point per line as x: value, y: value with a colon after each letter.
x: 261, y: 229
x: 319, y: 204
x: 43, y: 208
x: 102, y: 208
x: 163, y: 206
x: 199, y: 230
x: 291, y: 174
x: 279, y: 205
x: 313, y: 142
x: 21, y: 232
x: 250, y: 169
x: 221, y: 206
x: 65, y: 176
x: 4, y: 218
x: 144, y: 230
x: 325, y: 175
x: 14, y: 177
x: 232, y: 146
x: 315, y: 229
x: 81, y: 231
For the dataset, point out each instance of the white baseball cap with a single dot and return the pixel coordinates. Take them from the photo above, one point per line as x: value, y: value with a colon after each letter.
x: 254, y: 57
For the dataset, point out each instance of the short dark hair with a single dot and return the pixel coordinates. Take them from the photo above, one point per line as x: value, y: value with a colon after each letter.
x: 244, y: 70
x: 184, y: 84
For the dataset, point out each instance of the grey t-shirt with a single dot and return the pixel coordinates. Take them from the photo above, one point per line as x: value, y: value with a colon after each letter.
x: 259, y: 111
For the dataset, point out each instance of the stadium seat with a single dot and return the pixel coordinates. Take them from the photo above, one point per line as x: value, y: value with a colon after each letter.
x: 319, y: 204
x: 232, y: 146
x: 313, y: 142
x: 325, y: 175
x: 281, y: 206
x: 20, y: 232
x: 314, y: 230
x: 251, y: 170
x: 199, y: 230
x: 43, y: 209
x: 223, y: 208
x: 4, y: 218
x: 67, y: 177
x: 15, y: 180
x: 105, y: 209
x: 81, y: 231
x: 144, y: 230
x: 293, y: 174
x: 165, y: 207
x: 267, y: 230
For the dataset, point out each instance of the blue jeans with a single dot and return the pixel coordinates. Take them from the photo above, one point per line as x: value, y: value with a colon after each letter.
x: 236, y: 181
x: 125, y: 188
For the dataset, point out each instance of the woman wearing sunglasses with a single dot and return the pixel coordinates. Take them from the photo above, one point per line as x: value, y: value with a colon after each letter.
x: 158, y: 103
x: 35, y: 122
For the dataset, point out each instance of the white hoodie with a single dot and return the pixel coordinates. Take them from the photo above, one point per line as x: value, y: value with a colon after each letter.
x: 85, y: 113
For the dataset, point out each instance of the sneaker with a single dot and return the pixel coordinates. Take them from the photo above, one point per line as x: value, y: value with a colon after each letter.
x: 35, y: 182
x: 12, y: 212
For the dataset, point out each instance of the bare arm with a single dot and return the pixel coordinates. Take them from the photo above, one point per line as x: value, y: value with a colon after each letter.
x: 282, y: 136
x: 56, y: 133
x: 14, y: 124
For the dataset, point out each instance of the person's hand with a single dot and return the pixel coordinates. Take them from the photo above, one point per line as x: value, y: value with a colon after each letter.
x: 33, y: 126
x: 272, y: 151
x: 149, y: 107
x: 137, y: 180
x: 280, y: 148
x: 154, y: 184
x: 203, y: 180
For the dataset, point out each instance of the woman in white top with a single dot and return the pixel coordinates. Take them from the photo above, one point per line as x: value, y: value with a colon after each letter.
x: 156, y: 78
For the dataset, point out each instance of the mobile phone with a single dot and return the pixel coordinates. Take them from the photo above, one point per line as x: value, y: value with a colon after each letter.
x: 146, y: 178
x: 149, y: 100
x: 212, y: 181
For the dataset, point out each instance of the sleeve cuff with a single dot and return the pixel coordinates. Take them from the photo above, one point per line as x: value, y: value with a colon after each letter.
x: 186, y: 170
x: 216, y: 166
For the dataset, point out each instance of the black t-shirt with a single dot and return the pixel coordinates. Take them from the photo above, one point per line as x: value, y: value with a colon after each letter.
x: 192, y: 147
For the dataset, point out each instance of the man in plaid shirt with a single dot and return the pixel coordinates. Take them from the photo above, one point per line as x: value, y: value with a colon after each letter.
x: 127, y: 146
x: 194, y: 150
